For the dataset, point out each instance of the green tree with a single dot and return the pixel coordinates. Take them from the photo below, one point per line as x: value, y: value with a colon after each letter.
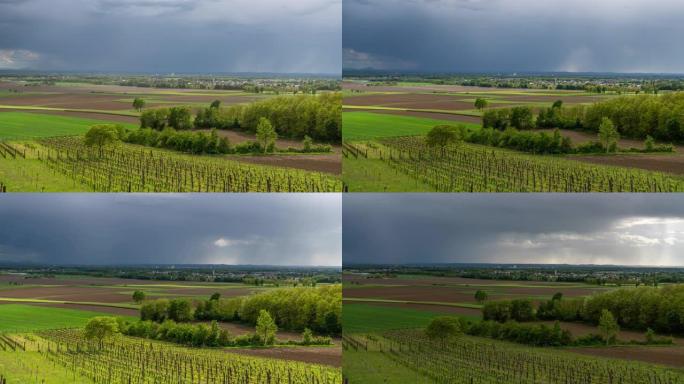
x: 649, y: 143
x: 307, y: 336
x: 180, y: 118
x: 441, y: 136
x: 266, y: 328
x: 138, y: 296
x: 608, y: 135
x: 215, y: 104
x: 307, y: 143
x: 443, y: 327
x: 215, y: 296
x: 102, y: 135
x: 266, y: 135
x: 557, y: 104
x: 101, y: 328
x: 608, y: 326
x: 481, y: 103
x: 138, y: 104
x: 480, y: 296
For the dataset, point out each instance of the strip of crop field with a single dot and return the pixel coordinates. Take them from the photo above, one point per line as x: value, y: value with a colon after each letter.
x: 102, y: 111
x: 437, y: 303
x: 483, y: 361
x: 131, y: 168
x: 128, y: 360
x: 47, y: 301
x: 475, y: 168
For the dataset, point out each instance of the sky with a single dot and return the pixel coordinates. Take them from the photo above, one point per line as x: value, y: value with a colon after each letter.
x: 614, y: 229
x: 632, y: 36
x: 234, y: 229
x: 165, y: 36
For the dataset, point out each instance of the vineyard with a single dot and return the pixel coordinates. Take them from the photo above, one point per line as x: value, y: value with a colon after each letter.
x: 473, y: 361
x: 474, y: 168
x: 136, y: 361
x: 130, y: 168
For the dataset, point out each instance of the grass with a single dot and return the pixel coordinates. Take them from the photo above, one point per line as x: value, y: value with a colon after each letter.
x: 32, y: 367
x: 25, y: 318
x: 374, y: 175
x: 368, y: 125
x: 364, y: 318
x: 441, y: 303
x: 33, y: 175
x: 360, y: 367
x: 24, y: 125
x: 47, y: 301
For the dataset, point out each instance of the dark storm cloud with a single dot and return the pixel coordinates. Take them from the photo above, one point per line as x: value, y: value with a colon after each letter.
x: 277, y: 229
x: 164, y: 36
x: 632, y: 229
x: 514, y: 35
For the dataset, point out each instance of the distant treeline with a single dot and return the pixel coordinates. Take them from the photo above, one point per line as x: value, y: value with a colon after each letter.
x: 318, y: 309
x: 636, y: 117
x: 642, y: 308
x: 295, y: 117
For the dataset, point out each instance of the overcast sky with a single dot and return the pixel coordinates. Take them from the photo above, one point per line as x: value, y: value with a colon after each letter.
x: 514, y: 35
x: 163, y: 36
x: 274, y: 229
x: 621, y: 229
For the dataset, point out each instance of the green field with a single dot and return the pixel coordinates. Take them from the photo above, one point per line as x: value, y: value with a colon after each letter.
x: 24, y: 125
x: 368, y: 125
x: 23, y: 318
x: 373, y: 318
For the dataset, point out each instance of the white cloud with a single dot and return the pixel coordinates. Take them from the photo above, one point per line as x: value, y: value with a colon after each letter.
x: 17, y: 58
x: 641, y: 221
x: 224, y: 242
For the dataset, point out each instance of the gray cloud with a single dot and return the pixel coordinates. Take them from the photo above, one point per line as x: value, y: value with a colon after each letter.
x: 632, y: 229
x: 278, y: 229
x: 516, y: 35
x: 174, y: 35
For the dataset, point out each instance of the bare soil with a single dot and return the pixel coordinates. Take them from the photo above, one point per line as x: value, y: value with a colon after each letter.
x: 330, y: 163
x: 315, y: 355
x: 670, y: 356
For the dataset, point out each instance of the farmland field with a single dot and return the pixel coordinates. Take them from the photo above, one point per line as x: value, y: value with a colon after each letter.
x: 42, y: 337
x: 31, y: 112
x: 384, y: 144
x: 385, y: 318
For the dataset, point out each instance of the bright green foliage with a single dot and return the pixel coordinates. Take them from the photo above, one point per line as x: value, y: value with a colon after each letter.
x: 138, y: 296
x: 608, y: 326
x: 101, y: 328
x: 481, y: 103
x: 480, y: 296
x: 138, y: 103
x: 266, y: 328
x: 443, y: 328
x: 608, y: 135
x: 266, y: 135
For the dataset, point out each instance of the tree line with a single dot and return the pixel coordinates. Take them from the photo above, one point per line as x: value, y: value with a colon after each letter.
x: 636, y: 117
x: 640, y: 308
x: 294, y: 117
x: 296, y: 309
